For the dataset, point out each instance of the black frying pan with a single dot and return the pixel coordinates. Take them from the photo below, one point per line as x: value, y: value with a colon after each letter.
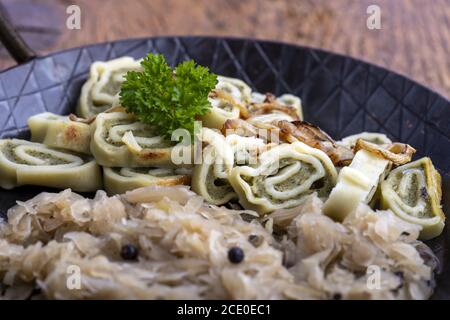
x: 340, y: 94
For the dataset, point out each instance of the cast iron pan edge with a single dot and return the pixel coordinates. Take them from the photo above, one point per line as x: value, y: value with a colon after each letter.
x: 340, y: 94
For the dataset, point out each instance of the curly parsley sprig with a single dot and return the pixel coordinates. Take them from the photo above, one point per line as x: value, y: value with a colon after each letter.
x: 167, y: 99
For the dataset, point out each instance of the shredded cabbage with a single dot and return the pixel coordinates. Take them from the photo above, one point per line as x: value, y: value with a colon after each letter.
x: 183, y: 246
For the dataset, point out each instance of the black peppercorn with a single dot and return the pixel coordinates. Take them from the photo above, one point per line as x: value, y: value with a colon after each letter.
x: 337, y: 296
x: 129, y: 252
x: 236, y: 255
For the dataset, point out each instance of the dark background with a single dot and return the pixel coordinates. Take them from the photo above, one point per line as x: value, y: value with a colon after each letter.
x: 414, y: 39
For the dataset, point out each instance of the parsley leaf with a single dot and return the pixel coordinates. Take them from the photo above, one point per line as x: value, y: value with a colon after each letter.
x: 167, y: 99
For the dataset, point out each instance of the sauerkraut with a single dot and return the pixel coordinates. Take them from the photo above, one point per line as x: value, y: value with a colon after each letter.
x: 183, y: 244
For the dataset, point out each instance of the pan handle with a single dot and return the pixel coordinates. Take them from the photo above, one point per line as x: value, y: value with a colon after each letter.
x: 12, y: 40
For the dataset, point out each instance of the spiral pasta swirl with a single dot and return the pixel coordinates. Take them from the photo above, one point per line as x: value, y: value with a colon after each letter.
x: 413, y: 192
x: 284, y: 176
x: 99, y: 92
x: 374, y: 137
x: 120, y: 180
x: 118, y: 140
x: 228, y: 101
x: 28, y: 163
x: 266, y: 108
x: 60, y: 132
x: 210, y: 178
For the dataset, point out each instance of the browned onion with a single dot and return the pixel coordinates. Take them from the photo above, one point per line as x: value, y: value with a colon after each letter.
x: 398, y: 153
x: 271, y: 105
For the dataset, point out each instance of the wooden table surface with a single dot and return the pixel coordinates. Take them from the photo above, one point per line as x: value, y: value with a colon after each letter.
x: 414, y: 39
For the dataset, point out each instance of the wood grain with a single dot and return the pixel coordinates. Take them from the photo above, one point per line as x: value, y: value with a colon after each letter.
x: 414, y: 39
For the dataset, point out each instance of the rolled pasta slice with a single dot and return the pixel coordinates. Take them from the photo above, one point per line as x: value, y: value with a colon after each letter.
x: 60, y: 132
x: 413, y: 192
x: 267, y: 132
x: 99, y: 92
x: 269, y: 118
x: 314, y: 137
x: 118, y: 140
x: 29, y: 163
x: 292, y: 101
x: 257, y: 97
x: 267, y: 108
x: 121, y: 180
x: 221, y: 110
x: 210, y: 177
x: 228, y: 101
x: 284, y: 177
x: 237, y: 88
x: 356, y: 183
x: 374, y: 137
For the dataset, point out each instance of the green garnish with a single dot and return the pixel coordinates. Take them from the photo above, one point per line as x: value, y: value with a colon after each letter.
x: 167, y: 99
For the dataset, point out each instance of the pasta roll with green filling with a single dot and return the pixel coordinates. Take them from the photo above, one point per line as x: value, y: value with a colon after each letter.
x: 228, y: 101
x: 210, y: 177
x: 374, y: 137
x: 119, y: 140
x: 100, y: 91
x: 29, y: 163
x: 356, y: 183
x: 284, y: 177
x: 60, y: 132
x: 413, y: 192
x: 237, y: 88
x: 291, y: 100
x: 269, y: 118
x: 121, y: 180
x: 266, y: 108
